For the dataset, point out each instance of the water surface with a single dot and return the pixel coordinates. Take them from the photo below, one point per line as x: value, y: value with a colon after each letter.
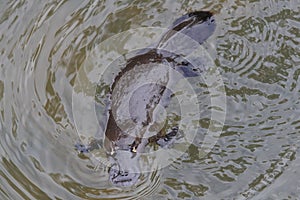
x: 43, y: 46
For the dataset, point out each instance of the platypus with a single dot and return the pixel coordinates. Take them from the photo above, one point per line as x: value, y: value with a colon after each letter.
x: 138, y: 90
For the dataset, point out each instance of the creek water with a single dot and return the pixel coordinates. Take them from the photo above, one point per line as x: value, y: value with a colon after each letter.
x: 44, y: 46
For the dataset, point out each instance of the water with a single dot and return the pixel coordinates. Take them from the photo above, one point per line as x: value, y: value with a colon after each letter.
x: 43, y: 46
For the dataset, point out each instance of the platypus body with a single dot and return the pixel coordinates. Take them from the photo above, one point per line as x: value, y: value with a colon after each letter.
x: 137, y: 92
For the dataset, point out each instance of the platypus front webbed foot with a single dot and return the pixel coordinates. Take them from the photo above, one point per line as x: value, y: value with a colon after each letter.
x: 168, y: 139
x: 94, y: 144
x: 165, y: 140
x: 81, y: 148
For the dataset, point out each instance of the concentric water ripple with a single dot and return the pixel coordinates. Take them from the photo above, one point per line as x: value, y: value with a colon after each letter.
x: 43, y: 58
x: 43, y: 45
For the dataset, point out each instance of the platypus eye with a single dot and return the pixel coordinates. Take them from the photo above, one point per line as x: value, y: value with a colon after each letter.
x: 133, y: 149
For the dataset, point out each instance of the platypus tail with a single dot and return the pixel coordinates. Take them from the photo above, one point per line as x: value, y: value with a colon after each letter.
x: 198, y: 25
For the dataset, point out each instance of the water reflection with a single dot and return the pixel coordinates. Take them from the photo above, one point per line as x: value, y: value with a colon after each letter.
x: 44, y: 44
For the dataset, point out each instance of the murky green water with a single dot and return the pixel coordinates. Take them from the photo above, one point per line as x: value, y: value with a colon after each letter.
x: 43, y: 46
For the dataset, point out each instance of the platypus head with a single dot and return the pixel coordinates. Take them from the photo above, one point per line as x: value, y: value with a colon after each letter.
x: 125, y: 169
